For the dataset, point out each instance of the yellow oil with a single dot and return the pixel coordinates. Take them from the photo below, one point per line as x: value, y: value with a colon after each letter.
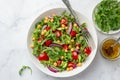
x: 116, y: 49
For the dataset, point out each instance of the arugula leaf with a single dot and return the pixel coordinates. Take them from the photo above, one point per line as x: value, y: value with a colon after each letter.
x: 107, y: 15
x: 23, y: 68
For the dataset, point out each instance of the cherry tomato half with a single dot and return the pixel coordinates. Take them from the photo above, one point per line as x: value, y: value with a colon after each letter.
x: 70, y: 64
x: 87, y: 50
x: 59, y: 62
x: 64, y: 21
x: 43, y: 56
x: 74, y: 55
x: 73, y: 33
x: 48, y: 28
x: 48, y: 42
x: 65, y: 46
x: 58, y: 33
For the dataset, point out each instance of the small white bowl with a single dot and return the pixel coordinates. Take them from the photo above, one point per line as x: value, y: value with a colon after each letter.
x: 96, y: 26
x: 64, y: 73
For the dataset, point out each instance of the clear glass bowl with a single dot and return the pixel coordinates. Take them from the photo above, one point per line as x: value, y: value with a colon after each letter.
x: 116, y: 55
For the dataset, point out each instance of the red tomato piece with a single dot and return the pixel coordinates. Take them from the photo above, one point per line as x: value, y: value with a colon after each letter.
x: 74, y: 55
x: 48, y: 42
x: 70, y: 64
x: 39, y: 39
x: 65, y: 46
x: 59, y: 62
x: 54, y: 31
x: 43, y: 56
x: 58, y: 33
x: 73, y: 33
x: 47, y: 28
x: 64, y: 21
x: 42, y: 36
x: 87, y: 50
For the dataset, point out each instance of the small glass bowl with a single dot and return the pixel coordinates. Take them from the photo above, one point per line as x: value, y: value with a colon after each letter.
x: 102, y: 52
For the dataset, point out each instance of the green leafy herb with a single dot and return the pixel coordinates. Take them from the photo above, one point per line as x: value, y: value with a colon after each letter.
x: 23, y: 68
x: 107, y: 15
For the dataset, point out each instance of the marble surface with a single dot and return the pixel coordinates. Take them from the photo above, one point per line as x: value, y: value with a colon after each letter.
x: 16, y: 17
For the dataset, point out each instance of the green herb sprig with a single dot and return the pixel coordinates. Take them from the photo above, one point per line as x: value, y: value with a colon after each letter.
x: 23, y: 68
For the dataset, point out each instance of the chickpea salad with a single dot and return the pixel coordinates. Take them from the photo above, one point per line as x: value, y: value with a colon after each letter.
x: 58, y: 43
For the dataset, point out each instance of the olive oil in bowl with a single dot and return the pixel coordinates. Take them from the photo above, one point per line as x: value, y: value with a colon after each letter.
x: 106, y: 44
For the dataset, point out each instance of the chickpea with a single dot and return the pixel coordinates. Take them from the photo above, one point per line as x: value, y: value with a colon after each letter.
x: 42, y: 33
x: 33, y: 39
x: 52, y: 20
x: 55, y: 64
x: 66, y: 27
x: 79, y: 64
x: 32, y: 46
x: 70, y: 46
x: 62, y: 57
x: 68, y: 69
x: 46, y: 18
x: 77, y: 47
x: 38, y: 26
x: 66, y: 50
x: 71, y: 68
x: 72, y: 40
x: 63, y: 25
x: 72, y: 49
x: 68, y: 41
x: 45, y: 21
x: 58, y: 41
x: 75, y: 25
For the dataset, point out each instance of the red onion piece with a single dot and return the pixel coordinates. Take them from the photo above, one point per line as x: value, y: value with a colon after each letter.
x: 70, y: 28
x: 78, y: 51
x: 50, y: 17
x: 52, y: 69
x: 54, y: 44
x: 74, y: 65
x: 44, y: 27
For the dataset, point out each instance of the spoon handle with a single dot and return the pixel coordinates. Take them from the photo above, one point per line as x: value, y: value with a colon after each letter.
x: 116, y: 42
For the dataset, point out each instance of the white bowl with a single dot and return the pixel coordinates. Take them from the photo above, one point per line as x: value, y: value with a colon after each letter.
x: 64, y: 73
x: 96, y: 26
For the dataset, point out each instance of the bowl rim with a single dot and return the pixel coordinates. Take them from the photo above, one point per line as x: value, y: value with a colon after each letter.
x: 92, y: 58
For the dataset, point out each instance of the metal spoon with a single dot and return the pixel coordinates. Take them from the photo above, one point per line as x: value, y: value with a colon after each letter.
x: 110, y: 49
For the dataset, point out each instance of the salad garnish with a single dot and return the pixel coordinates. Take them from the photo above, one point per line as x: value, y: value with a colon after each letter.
x: 23, y: 68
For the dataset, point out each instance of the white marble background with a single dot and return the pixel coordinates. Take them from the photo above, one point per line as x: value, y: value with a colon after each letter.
x: 16, y: 17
